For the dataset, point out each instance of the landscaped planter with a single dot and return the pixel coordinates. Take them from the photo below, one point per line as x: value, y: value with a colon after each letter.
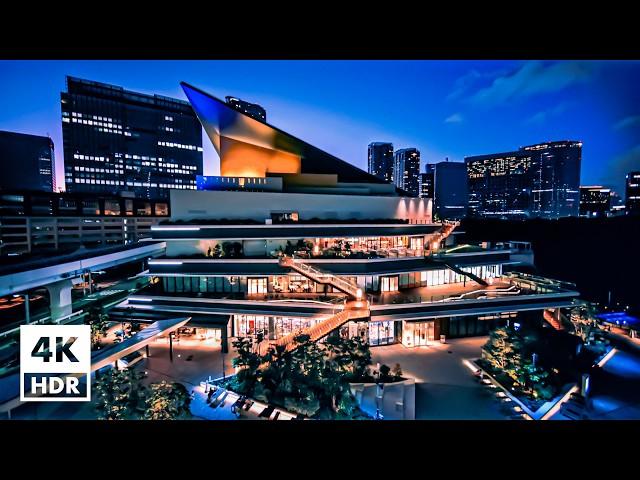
x: 534, y: 411
x: 397, y: 402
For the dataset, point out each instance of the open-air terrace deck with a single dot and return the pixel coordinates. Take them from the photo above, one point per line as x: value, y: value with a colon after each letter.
x: 501, y: 287
x: 450, y: 292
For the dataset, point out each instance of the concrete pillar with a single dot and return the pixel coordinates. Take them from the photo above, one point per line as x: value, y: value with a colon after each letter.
x: 60, y: 298
x: 224, y: 340
x: 27, y: 309
x: 272, y: 328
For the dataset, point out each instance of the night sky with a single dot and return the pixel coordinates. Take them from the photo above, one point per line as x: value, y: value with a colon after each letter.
x: 444, y: 108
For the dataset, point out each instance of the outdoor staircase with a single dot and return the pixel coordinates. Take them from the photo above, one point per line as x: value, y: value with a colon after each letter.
x: 551, y: 320
x: 352, y: 311
x: 470, y: 275
x: 319, y: 276
x: 443, y: 233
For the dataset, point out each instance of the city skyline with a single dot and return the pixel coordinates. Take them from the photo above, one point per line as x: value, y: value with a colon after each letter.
x: 515, y: 102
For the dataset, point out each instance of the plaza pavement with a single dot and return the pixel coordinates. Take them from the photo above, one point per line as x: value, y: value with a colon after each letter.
x: 445, y: 387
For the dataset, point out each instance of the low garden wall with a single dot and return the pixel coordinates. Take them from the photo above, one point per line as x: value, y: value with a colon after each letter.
x: 398, y: 400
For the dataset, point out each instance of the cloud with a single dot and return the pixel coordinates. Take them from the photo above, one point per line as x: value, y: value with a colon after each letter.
x: 455, y: 118
x: 631, y: 121
x: 468, y: 80
x: 532, y: 78
x: 545, y: 115
x: 623, y: 164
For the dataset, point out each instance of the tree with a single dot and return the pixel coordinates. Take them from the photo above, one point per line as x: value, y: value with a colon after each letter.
x: 99, y: 322
x: 312, y: 379
x: 397, y: 371
x: 247, y: 361
x: 289, y: 249
x: 500, y: 348
x: 120, y: 394
x: 167, y: 401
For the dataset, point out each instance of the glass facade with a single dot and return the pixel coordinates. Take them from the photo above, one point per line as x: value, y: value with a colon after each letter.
x: 116, y: 140
x: 418, y: 334
x: 295, y: 283
x: 34, y: 155
x: 382, y: 333
x: 272, y: 327
x: 474, y: 325
x: 536, y: 181
x: 406, y: 170
x: 380, y: 157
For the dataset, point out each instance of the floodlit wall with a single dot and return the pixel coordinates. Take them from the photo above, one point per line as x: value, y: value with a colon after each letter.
x: 190, y: 205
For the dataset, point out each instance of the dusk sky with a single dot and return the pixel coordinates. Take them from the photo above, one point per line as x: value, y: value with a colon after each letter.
x: 444, y: 108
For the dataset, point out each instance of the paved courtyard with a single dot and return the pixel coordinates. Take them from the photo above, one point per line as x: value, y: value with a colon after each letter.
x: 445, y: 387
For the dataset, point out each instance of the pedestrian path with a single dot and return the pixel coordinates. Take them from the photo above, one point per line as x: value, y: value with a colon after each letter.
x: 222, y: 402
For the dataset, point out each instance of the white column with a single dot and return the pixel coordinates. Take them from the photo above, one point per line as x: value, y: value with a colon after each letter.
x: 60, y: 298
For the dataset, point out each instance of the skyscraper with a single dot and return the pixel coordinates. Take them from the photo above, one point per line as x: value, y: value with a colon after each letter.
x: 406, y: 170
x: 450, y: 197
x: 116, y: 140
x: 632, y: 193
x: 380, y: 157
x: 427, y: 180
x: 595, y: 201
x: 535, y: 181
x: 27, y: 162
x: 252, y: 109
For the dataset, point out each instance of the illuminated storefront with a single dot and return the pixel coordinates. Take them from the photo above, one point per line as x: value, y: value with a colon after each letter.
x: 295, y: 283
x: 271, y: 327
x: 418, y: 334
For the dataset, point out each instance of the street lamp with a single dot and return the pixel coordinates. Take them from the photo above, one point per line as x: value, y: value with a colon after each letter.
x: 27, y: 310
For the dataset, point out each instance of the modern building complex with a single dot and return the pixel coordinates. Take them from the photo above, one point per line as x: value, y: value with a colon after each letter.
x: 38, y: 221
x: 406, y: 170
x: 116, y: 140
x: 27, y: 162
x: 535, y: 181
x: 595, y: 201
x: 632, y: 193
x: 450, y: 195
x: 253, y: 110
x: 380, y: 160
x: 323, y: 247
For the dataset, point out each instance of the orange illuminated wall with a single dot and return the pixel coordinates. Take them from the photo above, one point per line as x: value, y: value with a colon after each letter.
x: 240, y: 159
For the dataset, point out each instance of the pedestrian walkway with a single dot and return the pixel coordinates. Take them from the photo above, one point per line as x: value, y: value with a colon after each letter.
x: 221, y: 403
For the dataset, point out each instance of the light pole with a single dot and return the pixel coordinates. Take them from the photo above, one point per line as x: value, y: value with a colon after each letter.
x: 222, y: 352
x: 378, y: 392
x: 27, y: 309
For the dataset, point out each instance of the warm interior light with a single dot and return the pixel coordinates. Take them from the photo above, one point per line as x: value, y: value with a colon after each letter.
x: 359, y: 293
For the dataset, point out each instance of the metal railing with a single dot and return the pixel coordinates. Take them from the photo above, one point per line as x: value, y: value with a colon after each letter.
x: 401, y: 298
x: 320, y: 276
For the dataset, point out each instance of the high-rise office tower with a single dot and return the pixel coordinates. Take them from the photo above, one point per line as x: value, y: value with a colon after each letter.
x: 595, y: 201
x: 406, y: 170
x: 535, y: 181
x: 116, y: 141
x: 632, y: 193
x: 426, y: 181
x: 27, y: 162
x: 450, y: 196
x: 252, y: 109
x: 380, y: 156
